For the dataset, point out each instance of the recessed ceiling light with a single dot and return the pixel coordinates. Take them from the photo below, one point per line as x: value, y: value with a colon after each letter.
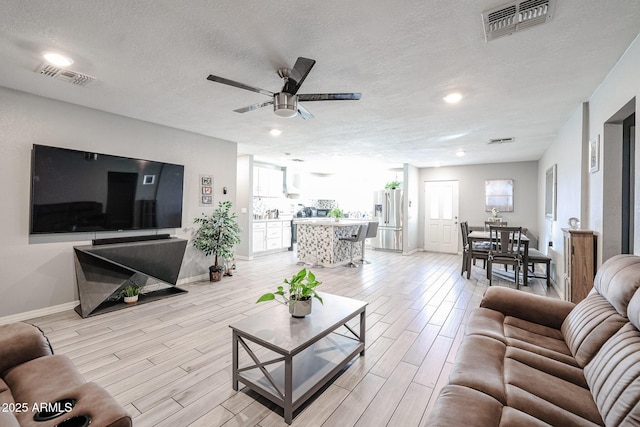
x: 57, y: 59
x: 275, y: 132
x: 453, y: 98
x: 460, y: 153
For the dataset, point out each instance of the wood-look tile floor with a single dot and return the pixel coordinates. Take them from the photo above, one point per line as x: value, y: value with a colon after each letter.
x: 169, y: 362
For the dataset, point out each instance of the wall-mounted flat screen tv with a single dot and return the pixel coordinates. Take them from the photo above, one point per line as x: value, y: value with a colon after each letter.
x: 80, y: 191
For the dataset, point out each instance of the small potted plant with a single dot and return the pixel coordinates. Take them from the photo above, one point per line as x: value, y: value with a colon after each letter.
x: 336, y: 213
x: 217, y: 235
x: 131, y: 293
x: 299, y: 295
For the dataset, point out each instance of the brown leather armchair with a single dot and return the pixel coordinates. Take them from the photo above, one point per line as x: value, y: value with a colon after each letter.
x: 42, y: 389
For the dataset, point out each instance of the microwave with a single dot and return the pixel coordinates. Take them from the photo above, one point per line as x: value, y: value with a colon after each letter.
x: 322, y: 212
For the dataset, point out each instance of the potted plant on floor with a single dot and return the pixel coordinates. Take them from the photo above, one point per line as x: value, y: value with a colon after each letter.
x: 130, y: 293
x: 217, y: 235
x: 299, y: 295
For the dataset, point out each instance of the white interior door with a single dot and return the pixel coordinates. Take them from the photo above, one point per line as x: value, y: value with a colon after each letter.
x: 441, y: 216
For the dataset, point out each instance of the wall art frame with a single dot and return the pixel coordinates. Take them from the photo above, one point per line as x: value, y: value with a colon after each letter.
x: 550, y: 190
x: 498, y: 195
x: 594, y: 154
x: 206, y: 190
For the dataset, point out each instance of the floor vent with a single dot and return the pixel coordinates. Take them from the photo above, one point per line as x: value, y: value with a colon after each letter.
x: 501, y: 141
x: 516, y: 16
x: 65, y: 75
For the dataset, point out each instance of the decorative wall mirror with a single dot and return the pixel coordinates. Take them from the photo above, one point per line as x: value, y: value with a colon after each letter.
x: 498, y: 195
x: 550, y: 193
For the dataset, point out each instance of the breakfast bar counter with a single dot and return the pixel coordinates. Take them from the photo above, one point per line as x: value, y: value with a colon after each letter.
x: 319, y: 241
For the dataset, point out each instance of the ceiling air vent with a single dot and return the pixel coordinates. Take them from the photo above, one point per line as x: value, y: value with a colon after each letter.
x: 65, y: 75
x: 501, y: 141
x: 516, y: 16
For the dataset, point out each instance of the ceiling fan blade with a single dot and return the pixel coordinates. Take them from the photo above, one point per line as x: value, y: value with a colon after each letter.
x: 254, y: 106
x: 304, y: 113
x: 237, y: 84
x: 298, y: 74
x: 329, y: 97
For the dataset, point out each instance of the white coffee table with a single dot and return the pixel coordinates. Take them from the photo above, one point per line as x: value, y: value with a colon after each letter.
x: 290, y: 359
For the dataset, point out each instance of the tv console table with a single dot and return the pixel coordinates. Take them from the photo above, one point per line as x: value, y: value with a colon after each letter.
x: 102, y: 271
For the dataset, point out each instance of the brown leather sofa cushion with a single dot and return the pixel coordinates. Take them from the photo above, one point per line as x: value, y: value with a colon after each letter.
x: 614, y: 378
x: 43, y: 379
x: 618, y: 280
x: 7, y: 419
x: 20, y: 342
x: 589, y: 326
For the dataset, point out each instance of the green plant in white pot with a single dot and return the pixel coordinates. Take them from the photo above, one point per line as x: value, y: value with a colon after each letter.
x: 130, y: 293
x: 336, y: 213
x: 217, y: 235
x: 299, y: 295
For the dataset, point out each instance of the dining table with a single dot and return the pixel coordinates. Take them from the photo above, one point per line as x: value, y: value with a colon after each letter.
x: 484, y: 236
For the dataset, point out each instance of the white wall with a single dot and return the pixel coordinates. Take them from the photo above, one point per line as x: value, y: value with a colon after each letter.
x: 566, y: 153
x: 37, y: 276
x: 411, y: 234
x: 472, y: 191
x: 619, y: 87
x: 592, y: 197
x: 244, y: 197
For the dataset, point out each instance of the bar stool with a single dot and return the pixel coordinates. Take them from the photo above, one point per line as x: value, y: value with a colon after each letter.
x: 355, y: 238
x: 372, y: 231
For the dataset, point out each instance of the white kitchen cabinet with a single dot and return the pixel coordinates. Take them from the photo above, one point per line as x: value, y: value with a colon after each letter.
x: 272, y: 235
x: 267, y: 182
x: 259, y: 237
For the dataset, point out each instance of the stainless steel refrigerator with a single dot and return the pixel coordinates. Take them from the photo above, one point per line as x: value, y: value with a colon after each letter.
x: 387, y: 209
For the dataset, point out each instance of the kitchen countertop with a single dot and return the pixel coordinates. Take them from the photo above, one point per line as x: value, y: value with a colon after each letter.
x: 330, y: 221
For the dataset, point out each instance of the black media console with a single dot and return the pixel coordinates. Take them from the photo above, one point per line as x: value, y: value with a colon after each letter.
x: 104, y: 268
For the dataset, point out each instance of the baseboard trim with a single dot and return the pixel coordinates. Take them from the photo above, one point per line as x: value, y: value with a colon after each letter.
x: 38, y: 313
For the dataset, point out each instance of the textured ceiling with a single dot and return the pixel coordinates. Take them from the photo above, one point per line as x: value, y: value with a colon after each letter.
x: 151, y: 59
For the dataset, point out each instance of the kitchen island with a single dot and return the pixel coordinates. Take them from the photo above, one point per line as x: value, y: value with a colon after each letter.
x: 319, y: 241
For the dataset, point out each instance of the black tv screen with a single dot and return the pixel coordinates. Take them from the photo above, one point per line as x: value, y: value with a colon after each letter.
x: 79, y: 191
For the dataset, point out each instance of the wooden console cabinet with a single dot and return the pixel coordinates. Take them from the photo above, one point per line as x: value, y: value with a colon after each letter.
x: 579, y: 263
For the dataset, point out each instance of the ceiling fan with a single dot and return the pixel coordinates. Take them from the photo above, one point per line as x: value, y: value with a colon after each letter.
x: 285, y: 103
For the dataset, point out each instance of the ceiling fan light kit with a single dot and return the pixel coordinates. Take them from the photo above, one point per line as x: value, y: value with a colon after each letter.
x: 285, y: 103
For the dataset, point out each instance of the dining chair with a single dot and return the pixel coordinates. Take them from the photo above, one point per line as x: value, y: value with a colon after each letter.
x: 466, y: 250
x: 472, y: 250
x: 505, y: 249
x: 487, y: 224
x: 478, y: 250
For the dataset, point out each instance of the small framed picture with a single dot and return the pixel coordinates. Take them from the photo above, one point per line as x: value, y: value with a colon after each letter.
x: 148, y: 180
x: 206, y: 190
x: 594, y: 154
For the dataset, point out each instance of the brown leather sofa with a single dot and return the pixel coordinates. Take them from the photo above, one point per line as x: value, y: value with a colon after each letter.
x: 528, y: 360
x: 40, y: 389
